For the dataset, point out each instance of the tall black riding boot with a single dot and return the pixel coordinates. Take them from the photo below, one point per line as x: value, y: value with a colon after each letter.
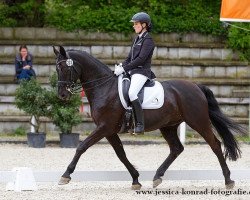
x: 139, y: 118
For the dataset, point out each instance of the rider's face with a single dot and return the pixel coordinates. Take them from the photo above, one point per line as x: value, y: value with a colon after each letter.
x: 138, y: 27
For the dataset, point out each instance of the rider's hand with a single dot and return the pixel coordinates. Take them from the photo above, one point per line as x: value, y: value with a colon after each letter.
x: 118, y: 69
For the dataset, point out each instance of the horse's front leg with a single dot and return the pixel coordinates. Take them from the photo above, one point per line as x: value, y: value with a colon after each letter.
x: 116, y: 143
x: 93, y: 138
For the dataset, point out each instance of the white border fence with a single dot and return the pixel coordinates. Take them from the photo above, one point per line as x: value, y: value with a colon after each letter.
x: 24, y: 179
x: 54, y: 176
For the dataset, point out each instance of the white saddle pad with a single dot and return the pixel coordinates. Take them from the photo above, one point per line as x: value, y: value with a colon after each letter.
x: 153, y: 96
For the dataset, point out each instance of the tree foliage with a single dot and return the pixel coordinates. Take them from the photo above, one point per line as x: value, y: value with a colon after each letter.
x: 32, y: 99
x: 239, y: 39
x: 114, y: 16
x: 179, y: 16
x: 37, y: 101
x: 63, y: 114
x: 22, y: 13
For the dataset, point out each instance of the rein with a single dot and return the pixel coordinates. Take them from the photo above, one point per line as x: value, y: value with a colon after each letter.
x: 92, y: 81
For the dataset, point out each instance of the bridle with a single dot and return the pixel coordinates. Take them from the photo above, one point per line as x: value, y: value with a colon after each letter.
x: 71, y: 85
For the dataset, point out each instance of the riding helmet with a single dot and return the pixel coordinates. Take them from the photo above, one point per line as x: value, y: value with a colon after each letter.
x: 143, y: 18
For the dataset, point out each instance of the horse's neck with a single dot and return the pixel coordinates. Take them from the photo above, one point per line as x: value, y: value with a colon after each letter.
x: 101, y: 95
x: 96, y: 78
x: 92, y: 69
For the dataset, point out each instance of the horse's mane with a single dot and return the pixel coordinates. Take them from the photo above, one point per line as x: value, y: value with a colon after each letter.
x: 92, y: 58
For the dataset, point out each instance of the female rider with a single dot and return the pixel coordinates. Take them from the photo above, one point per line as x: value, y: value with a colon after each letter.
x: 138, y: 64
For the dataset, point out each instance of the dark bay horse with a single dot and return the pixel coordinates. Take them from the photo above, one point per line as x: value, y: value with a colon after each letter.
x: 183, y: 101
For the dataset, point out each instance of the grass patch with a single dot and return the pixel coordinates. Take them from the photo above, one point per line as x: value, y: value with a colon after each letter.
x: 20, y: 131
x: 243, y: 138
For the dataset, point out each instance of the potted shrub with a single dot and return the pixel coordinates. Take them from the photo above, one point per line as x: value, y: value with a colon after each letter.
x: 64, y: 115
x: 33, y: 100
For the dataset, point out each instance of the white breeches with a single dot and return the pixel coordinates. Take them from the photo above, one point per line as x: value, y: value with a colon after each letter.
x: 137, y: 82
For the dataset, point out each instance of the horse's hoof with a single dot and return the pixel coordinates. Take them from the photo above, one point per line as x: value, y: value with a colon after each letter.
x: 230, y: 185
x: 64, y: 181
x: 136, y: 187
x: 157, y: 182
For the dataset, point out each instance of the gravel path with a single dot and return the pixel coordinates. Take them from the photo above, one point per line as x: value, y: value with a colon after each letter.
x: 102, y: 157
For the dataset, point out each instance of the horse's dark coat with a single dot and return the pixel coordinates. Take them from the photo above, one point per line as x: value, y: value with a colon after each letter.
x: 184, y: 101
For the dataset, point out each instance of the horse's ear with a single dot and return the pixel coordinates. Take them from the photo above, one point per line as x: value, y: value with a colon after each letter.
x: 62, y: 51
x: 56, y: 51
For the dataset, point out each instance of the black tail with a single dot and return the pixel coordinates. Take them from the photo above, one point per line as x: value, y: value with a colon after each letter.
x: 223, y: 125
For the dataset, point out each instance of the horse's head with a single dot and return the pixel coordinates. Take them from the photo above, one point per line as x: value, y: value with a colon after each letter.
x: 67, y: 74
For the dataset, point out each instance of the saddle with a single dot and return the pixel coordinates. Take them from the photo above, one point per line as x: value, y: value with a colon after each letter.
x: 151, y: 96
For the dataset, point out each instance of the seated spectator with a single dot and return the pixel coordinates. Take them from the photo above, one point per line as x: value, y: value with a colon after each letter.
x: 23, y: 64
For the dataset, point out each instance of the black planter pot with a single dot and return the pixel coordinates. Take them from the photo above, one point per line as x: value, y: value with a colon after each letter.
x: 36, y: 140
x: 69, y: 140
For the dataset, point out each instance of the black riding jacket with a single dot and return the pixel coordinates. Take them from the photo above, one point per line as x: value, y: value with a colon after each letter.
x: 140, y: 55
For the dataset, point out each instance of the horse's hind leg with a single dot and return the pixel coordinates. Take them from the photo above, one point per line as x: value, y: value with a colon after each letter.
x: 170, y: 135
x: 116, y: 143
x: 206, y: 132
x: 215, y: 145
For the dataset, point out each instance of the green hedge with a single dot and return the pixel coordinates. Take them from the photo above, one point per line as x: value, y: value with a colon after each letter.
x: 179, y: 16
x: 113, y: 16
x: 239, y: 39
x: 22, y: 13
x: 5, y: 20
